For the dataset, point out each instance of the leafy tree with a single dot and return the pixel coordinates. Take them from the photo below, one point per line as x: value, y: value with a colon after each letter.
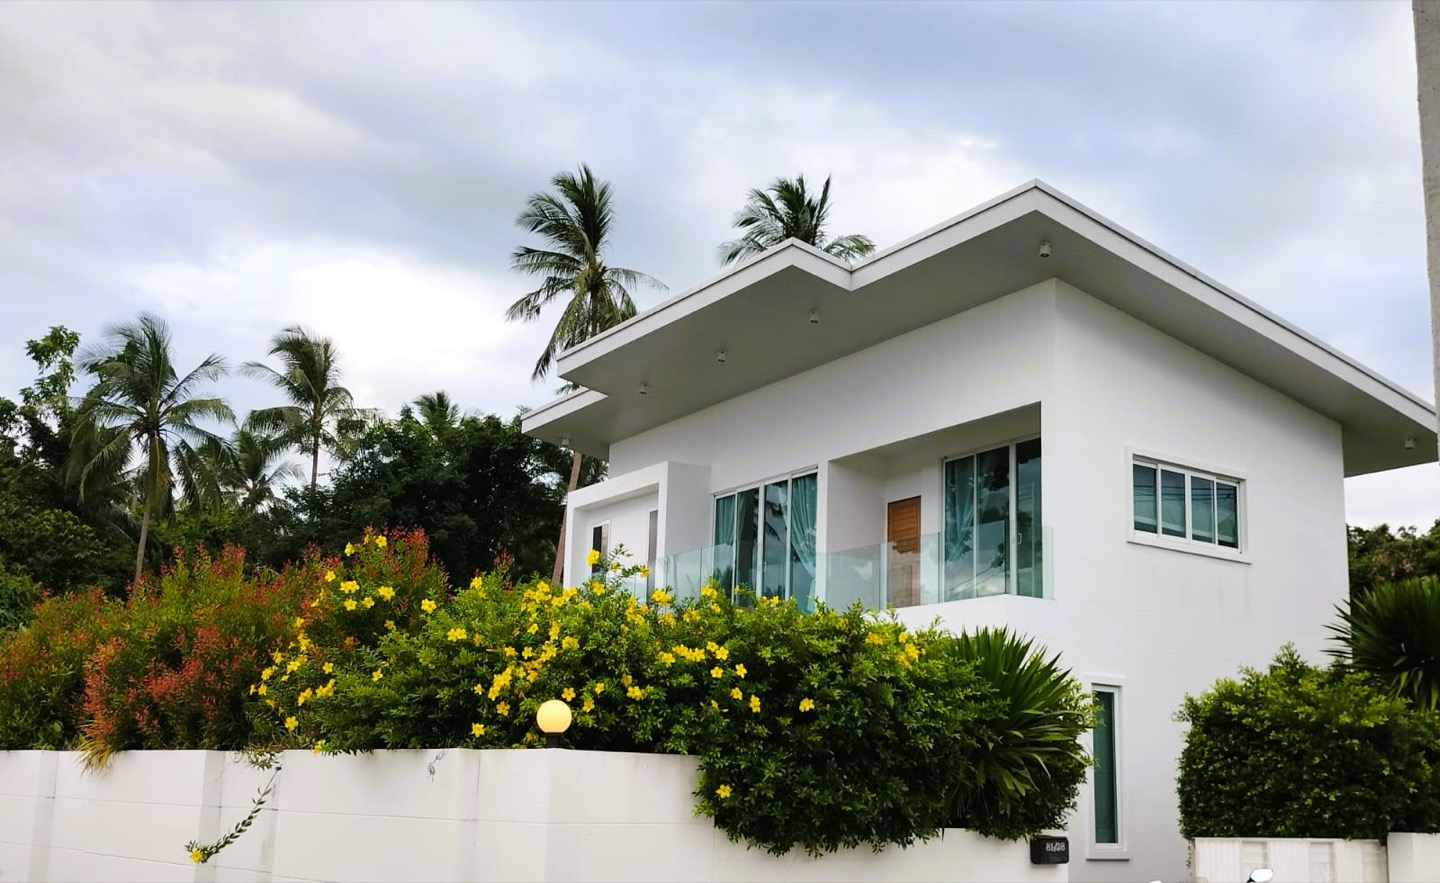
x: 1380, y: 555
x: 575, y: 222
x: 788, y: 210
x: 49, y: 538
x: 479, y: 490
x: 140, y: 406
x: 310, y: 378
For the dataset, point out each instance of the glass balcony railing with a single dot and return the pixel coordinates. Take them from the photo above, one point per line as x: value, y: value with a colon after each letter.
x: 885, y: 575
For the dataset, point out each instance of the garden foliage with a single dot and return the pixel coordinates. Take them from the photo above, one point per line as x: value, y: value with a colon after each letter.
x: 814, y: 730
x: 1393, y: 633
x: 1301, y: 751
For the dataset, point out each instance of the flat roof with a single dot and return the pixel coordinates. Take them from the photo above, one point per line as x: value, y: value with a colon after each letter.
x: 759, y: 312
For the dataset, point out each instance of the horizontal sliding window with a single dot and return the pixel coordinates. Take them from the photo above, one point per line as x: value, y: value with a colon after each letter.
x: 1174, y: 501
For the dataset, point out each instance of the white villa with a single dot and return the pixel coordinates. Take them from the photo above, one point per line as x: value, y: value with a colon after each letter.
x: 1025, y: 416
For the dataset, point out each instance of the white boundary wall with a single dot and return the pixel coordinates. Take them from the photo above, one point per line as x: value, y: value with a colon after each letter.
x: 458, y: 814
x: 1403, y: 858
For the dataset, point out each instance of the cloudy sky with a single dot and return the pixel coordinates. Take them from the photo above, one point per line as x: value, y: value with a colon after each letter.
x: 357, y: 167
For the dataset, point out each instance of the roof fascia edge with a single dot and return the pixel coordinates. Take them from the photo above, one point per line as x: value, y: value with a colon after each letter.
x: 560, y: 408
x: 792, y: 253
x: 1239, y: 299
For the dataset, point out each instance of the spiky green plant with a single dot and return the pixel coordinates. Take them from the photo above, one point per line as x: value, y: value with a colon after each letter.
x: 1031, y: 745
x: 1393, y: 633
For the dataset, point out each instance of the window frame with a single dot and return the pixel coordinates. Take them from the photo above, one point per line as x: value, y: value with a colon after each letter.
x: 597, y: 570
x: 1190, y: 469
x: 1012, y: 575
x: 788, y: 478
x: 1120, y: 849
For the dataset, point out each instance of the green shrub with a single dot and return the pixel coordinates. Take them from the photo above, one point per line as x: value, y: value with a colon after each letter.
x: 18, y: 597
x: 42, y: 670
x: 816, y: 730
x: 1301, y: 751
x: 175, y: 669
x: 1393, y: 632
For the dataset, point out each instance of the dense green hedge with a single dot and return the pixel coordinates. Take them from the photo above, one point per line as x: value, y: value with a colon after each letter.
x: 1302, y: 751
x: 814, y: 730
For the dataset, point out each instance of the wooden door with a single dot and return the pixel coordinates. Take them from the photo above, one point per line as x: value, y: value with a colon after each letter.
x: 902, y: 572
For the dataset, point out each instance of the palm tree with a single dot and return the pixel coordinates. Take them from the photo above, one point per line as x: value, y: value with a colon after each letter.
x: 140, y: 405
x: 257, y: 468
x: 575, y: 222
x: 310, y: 379
x: 437, y: 411
x: 786, y: 210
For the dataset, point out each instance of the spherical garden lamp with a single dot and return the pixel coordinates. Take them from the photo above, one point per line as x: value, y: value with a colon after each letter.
x: 553, y: 718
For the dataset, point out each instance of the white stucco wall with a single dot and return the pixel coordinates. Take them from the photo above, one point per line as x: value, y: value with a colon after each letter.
x: 1157, y: 622
x: 419, y: 815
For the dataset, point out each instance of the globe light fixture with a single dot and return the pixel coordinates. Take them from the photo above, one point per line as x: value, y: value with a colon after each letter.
x: 553, y: 718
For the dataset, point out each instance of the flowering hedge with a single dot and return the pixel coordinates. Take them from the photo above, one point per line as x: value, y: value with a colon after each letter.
x: 814, y: 730
x: 817, y: 730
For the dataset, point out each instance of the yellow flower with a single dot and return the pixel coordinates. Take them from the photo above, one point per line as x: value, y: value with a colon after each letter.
x: 717, y: 672
x: 567, y: 694
x: 477, y: 729
x: 714, y: 608
x: 570, y: 642
x: 554, y: 630
x: 197, y: 856
x: 643, y: 571
x: 380, y: 541
x: 807, y: 704
x: 427, y: 605
x: 389, y: 625
x: 328, y: 667
x: 456, y: 634
x: 626, y: 680
x: 912, y: 651
x: 385, y: 592
x: 754, y: 703
x: 660, y: 596
x: 510, y: 652
x: 291, y: 723
x: 262, y: 689
x: 593, y: 558
x: 533, y: 629
x: 723, y: 791
x: 319, y: 747
x: 874, y: 638
x: 722, y: 654
x: 299, y: 621
x: 737, y: 693
x: 740, y: 669
x: 707, y: 591
x: 476, y: 583
x: 349, y: 587
x: 304, y: 696
x: 368, y: 602
x: 349, y: 603
x: 349, y: 549
x: 278, y: 656
x: 589, y: 704
x: 599, y: 687
x: 267, y: 673
x: 329, y: 576
x: 635, y: 692
x: 667, y: 658
x: 376, y: 675
x: 502, y: 708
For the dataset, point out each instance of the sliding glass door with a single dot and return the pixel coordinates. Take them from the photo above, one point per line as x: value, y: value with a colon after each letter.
x: 765, y: 539
x: 992, y: 533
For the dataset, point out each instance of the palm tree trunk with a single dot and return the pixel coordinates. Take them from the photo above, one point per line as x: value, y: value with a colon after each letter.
x: 144, y: 528
x: 1427, y: 62
x: 314, y: 464
x: 559, y: 570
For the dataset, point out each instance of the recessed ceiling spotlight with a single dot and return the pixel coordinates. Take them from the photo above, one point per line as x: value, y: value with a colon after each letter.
x: 644, y: 389
x: 721, y: 355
